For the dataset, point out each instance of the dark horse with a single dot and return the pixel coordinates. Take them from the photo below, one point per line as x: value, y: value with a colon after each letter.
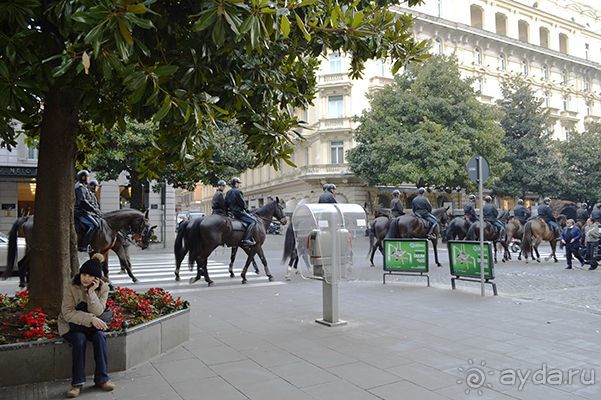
x: 410, y: 226
x: 114, y: 227
x: 490, y: 234
x: 377, y: 232
x: 204, y: 236
x: 457, y: 228
x: 535, y: 231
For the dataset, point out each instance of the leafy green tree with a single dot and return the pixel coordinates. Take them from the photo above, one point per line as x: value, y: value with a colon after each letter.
x: 70, y: 69
x: 424, y: 128
x: 123, y: 149
x: 530, y: 149
x: 582, y: 165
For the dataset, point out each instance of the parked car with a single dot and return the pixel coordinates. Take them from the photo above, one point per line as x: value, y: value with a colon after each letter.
x: 274, y: 228
x: 4, y: 252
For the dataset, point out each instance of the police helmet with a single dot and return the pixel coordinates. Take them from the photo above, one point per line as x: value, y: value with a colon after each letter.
x: 584, y: 205
x: 472, y: 197
x: 421, y: 190
x: 325, y: 186
x: 82, y: 173
x: 520, y: 202
x: 546, y: 200
x: 234, y: 181
x: 93, y: 182
x: 396, y: 192
x: 331, y: 187
x: 221, y: 182
x: 488, y: 199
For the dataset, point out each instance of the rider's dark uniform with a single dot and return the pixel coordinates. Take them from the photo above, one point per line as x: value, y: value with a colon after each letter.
x: 491, y: 214
x: 544, y: 212
x: 86, y: 211
x: 596, y: 214
x: 521, y: 213
x: 234, y: 200
x: 469, y: 211
x: 396, y: 207
x: 327, y: 197
x: 423, y: 209
x: 582, y: 215
x: 218, y: 203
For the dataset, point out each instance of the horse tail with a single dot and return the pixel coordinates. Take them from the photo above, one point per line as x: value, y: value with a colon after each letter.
x: 180, y: 249
x: 393, y: 229
x: 289, y: 243
x: 527, y: 238
x: 12, y: 255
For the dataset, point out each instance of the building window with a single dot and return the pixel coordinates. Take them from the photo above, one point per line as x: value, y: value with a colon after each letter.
x: 587, y: 84
x: 523, y: 28
x: 335, y: 107
x: 586, y: 51
x: 565, y: 103
x: 589, y: 106
x: 502, y: 62
x: 437, y: 46
x: 337, y: 152
x: 566, y: 133
x: 544, y: 37
x: 476, y: 13
x: 547, y: 99
x: 501, y: 23
x: 563, y: 43
x: 335, y: 63
x: 524, y: 67
x: 380, y: 68
x: 32, y: 152
x: 564, y: 77
x: 545, y: 72
x: 478, y: 85
x: 477, y: 56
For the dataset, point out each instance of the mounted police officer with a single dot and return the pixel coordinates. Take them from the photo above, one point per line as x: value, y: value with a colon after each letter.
x: 329, y: 190
x: 218, y: 202
x: 422, y: 208
x: 93, y: 185
x: 521, y: 213
x: 596, y: 213
x: 582, y: 213
x: 545, y: 213
x: 234, y: 200
x: 491, y: 214
x: 469, y: 211
x: 86, y: 209
x: 396, y: 205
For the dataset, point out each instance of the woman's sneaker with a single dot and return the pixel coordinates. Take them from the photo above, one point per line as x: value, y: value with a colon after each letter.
x: 74, y: 392
x: 106, y: 386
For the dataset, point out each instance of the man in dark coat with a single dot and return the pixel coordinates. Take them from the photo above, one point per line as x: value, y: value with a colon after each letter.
x: 396, y: 205
x: 521, y: 213
x: 422, y: 208
x: 234, y: 200
x: 85, y: 209
x: 545, y: 213
x: 582, y: 213
x: 570, y: 237
x: 469, y: 211
x: 491, y: 214
x: 596, y: 213
x: 218, y: 202
x: 329, y: 190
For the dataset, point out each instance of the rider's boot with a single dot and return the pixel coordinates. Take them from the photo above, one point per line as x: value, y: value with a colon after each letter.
x: 430, y: 235
x: 85, y: 242
x: 248, y: 240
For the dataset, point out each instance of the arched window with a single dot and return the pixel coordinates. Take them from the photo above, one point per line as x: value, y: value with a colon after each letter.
x: 524, y: 67
x: 476, y: 13
x: 502, y: 62
x: 523, y: 29
x: 565, y: 103
x: 587, y: 84
x: 563, y: 43
x: 437, y: 46
x: 545, y: 72
x: 543, y: 34
x: 501, y: 23
x: 477, y: 56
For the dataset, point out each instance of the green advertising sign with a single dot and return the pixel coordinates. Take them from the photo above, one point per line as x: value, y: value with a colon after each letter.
x: 406, y: 255
x: 464, y: 259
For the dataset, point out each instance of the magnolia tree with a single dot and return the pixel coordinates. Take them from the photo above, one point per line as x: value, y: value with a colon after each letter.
x: 71, y: 69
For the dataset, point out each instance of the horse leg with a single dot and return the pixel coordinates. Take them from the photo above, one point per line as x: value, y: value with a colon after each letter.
x: 205, y: 262
x: 23, y: 266
x: 123, y: 256
x: 264, y: 261
x: 232, y: 259
x: 372, y: 252
x: 434, y: 246
x: 250, y: 255
x: 553, y: 248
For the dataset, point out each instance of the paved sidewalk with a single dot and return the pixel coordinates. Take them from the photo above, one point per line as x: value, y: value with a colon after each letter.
x: 402, y: 342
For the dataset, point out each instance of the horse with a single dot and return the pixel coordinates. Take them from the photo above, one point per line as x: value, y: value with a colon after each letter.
x: 410, y: 226
x: 186, y: 228
x: 535, y: 231
x: 513, y: 232
x: 291, y: 252
x: 490, y: 234
x: 215, y: 230
x: 457, y: 228
x: 377, y: 232
x: 110, y: 236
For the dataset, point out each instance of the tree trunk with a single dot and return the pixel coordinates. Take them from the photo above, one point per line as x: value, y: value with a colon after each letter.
x: 137, y: 192
x: 51, y: 247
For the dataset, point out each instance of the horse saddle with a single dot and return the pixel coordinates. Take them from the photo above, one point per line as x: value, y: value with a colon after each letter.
x: 237, y: 225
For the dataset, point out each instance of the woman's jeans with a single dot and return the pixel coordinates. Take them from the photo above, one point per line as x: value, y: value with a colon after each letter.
x: 78, y: 368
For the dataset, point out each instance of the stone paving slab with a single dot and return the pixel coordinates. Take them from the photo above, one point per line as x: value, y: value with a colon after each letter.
x: 402, y: 341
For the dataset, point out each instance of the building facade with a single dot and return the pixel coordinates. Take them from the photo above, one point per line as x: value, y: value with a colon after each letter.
x: 555, y: 44
x: 18, y: 169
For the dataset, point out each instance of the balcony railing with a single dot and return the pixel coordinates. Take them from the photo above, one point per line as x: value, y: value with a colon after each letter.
x: 334, y: 80
x: 318, y: 170
x: 334, y: 123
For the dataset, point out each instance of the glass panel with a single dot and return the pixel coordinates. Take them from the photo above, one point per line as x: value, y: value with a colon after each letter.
x: 335, y: 107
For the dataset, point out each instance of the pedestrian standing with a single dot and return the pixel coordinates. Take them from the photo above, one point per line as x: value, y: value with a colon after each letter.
x: 82, y: 309
x: 591, y: 238
x: 570, y: 237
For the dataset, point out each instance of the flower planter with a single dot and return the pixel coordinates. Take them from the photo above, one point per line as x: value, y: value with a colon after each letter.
x: 47, y: 360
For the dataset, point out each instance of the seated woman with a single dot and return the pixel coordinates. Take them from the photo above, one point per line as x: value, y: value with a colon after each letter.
x: 84, y: 301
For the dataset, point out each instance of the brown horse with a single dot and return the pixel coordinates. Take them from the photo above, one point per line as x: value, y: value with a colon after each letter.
x: 410, y: 226
x: 215, y: 230
x: 513, y: 231
x: 115, y: 227
x: 535, y: 231
x: 490, y: 234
